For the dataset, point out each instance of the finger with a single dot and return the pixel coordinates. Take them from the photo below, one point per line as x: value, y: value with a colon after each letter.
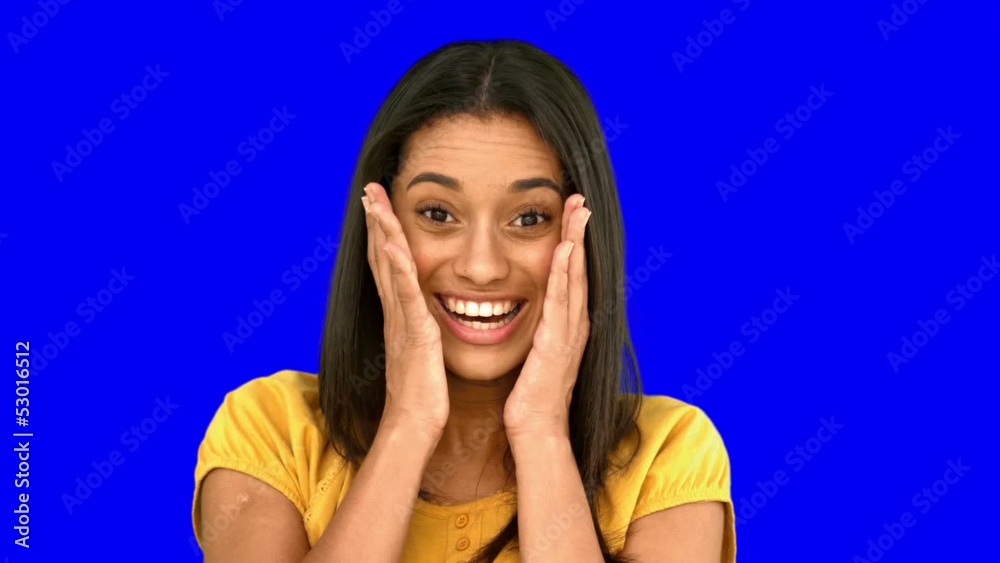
x: 577, y: 275
x: 372, y: 248
x: 415, y: 309
x: 384, y: 267
x: 391, y: 227
x: 572, y: 203
x: 406, y: 286
x: 555, y: 306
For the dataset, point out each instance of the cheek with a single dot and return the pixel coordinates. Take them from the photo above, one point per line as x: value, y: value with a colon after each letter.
x: 426, y: 256
x: 537, y: 261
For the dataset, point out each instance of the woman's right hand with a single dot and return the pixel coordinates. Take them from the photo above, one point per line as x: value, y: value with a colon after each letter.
x: 415, y: 383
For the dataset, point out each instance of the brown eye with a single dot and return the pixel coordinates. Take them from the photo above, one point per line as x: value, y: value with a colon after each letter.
x: 435, y: 213
x: 532, y: 218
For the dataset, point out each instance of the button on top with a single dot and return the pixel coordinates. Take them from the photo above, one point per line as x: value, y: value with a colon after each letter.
x: 463, y: 544
x: 462, y: 520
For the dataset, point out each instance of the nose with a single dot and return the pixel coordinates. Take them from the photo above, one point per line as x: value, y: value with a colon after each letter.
x: 482, y: 260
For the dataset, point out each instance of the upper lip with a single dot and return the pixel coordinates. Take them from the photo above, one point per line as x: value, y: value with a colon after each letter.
x: 481, y: 298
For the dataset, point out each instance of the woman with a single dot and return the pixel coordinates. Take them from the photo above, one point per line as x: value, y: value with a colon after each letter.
x: 478, y: 397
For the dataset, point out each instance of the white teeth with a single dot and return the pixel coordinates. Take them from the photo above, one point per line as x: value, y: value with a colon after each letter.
x: 479, y: 325
x: 479, y: 309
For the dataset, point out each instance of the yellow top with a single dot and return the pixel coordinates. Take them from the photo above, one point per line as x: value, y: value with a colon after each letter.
x: 272, y: 429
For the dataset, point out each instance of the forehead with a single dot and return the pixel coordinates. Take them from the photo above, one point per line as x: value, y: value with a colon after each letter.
x: 493, y: 146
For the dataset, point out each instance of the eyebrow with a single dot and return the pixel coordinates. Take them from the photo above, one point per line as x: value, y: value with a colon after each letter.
x: 453, y: 184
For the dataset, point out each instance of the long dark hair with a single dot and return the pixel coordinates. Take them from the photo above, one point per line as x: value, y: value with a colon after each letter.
x: 486, y: 79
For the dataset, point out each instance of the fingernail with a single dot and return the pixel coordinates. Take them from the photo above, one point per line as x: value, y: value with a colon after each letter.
x: 569, y: 250
x: 364, y: 202
x: 367, y: 191
x: 587, y: 218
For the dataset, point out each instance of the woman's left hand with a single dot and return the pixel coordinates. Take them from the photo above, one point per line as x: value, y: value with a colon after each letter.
x: 540, y: 400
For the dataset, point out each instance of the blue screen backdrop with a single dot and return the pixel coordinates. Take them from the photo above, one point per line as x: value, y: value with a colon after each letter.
x: 811, y: 208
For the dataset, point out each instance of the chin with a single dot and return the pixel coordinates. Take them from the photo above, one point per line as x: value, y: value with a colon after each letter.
x: 481, y: 365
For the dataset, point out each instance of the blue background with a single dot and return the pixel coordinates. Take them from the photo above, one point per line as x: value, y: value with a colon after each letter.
x: 683, y: 124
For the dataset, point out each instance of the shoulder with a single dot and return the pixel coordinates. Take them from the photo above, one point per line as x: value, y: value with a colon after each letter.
x: 669, y: 423
x: 273, y: 429
x: 286, y: 394
x: 267, y: 411
x: 267, y: 417
x: 679, y: 457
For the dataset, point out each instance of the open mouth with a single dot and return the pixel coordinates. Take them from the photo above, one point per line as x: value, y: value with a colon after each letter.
x: 477, y: 317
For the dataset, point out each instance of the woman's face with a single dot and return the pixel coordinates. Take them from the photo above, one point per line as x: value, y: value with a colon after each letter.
x: 481, y: 205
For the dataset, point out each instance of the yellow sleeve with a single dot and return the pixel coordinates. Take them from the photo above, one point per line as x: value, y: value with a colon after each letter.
x: 692, y: 465
x: 254, y: 432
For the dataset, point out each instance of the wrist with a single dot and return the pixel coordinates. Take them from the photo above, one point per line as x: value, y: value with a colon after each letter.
x: 408, y: 431
x: 539, y: 449
x: 537, y: 432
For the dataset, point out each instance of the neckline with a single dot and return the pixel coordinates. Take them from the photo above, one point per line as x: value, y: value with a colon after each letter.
x: 499, y: 498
